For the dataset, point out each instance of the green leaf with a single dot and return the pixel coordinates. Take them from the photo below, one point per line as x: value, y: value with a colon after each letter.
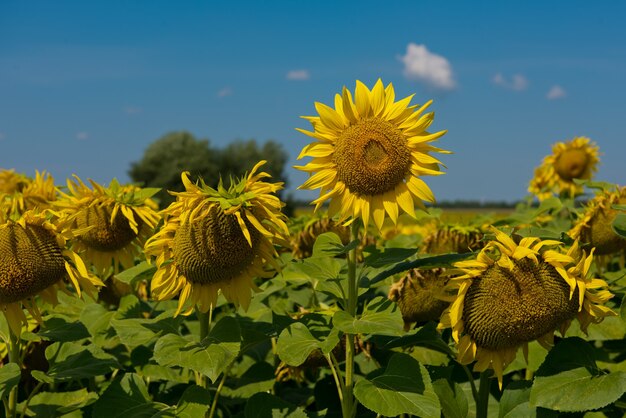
x: 569, y: 353
x: 61, y: 328
x: 577, y: 390
x: 69, y: 361
x: 194, y: 403
x: 327, y: 244
x: 259, y: 377
x: 426, y: 336
x: 403, y: 388
x: 132, y: 331
x: 381, y: 257
x: 380, y: 316
x: 619, y: 224
x: 97, y: 320
x: 55, y: 404
x: 296, y: 342
x: 452, y: 399
x: 209, y: 357
x: 515, y: 400
x: 126, y: 397
x: 264, y: 405
x: 136, y: 273
x: 10, y: 376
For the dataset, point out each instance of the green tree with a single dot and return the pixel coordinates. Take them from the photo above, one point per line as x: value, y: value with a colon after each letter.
x: 166, y: 158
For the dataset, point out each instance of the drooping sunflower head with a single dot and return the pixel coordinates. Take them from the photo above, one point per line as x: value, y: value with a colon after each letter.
x: 19, y: 193
x: 370, y: 153
x: 110, y: 224
x: 596, y: 224
x: 569, y: 161
x: 453, y: 239
x: 512, y: 294
x: 217, y: 240
x: 34, y: 261
x: 303, y: 239
x: 419, y: 295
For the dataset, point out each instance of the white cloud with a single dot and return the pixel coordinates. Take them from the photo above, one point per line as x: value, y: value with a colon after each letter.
x: 422, y: 65
x: 556, y: 92
x: 224, y: 92
x: 82, y: 136
x: 299, y: 75
x: 132, y: 110
x: 517, y: 82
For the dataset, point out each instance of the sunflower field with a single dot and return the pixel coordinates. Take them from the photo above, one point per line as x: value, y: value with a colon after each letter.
x: 376, y: 303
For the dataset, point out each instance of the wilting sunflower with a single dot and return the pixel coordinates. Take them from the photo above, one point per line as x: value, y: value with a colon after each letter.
x: 453, y: 239
x: 217, y: 240
x: 516, y: 293
x: 34, y: 261
x: 110, y: 224
x: 596, y: 224
x: 419, y: 295
x: 576, y: 159
x: 19, y: 193
x: 370, y: 154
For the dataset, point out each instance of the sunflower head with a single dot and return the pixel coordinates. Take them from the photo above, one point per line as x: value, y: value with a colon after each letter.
x: 302, y: 240
x: 569, y: 161
x: 453, y: 239
x: 370, y: 153
x: 217, y: 240
x: 596, y: 224
x: 34, y: 261
x: 515, y: 293
x: 19, y: 193
x: 110, y: 224
x: 418, y: 295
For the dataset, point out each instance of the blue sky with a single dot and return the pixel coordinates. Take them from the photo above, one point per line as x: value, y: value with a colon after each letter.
x: 86, y: 86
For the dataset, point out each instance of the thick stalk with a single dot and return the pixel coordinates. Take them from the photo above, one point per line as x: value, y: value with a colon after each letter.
x: 349, y: 404
x: 205, y: 323
x: 14, y: 357
x: 482, y: 403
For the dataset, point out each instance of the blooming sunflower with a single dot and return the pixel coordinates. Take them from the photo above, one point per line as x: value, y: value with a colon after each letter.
x: 576, y: 159
x: 217, y: 240
x: 513, y: 293
x: 110, y: 224
x: 596, y: 224
x: 34, y: 261
x: 370, y: 153
x: 19, y: 193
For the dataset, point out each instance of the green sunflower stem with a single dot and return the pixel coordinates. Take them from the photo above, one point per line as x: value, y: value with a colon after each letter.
x: 349, y: 402
x: 14, y: 357
x: 482, y: 402
x: 205, y: 319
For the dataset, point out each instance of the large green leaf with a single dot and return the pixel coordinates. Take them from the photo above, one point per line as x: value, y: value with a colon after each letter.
x: 138, y: 272
x: 452, y: 399
x: 97, y: 320
x: 209, y: 357
x: 380, y: 316
x: 329, y: 244
x: 61, y: 328
x: 403, y: 388
x: 126, y: 397
x: 577, y: 390
x: 426, y: 336
x: 10, y: 375
x: 569, y: 353
x: 69, y: 361
x: 194, y: 403
x: 619, y: 224
x: 515, y: 401
x: 259, y: 377
x: 55, y: 404
x: 296, y: 343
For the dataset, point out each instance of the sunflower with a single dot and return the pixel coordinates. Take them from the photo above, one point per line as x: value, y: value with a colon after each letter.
x: 110, y: 224
x: 596, y: 224
x: 453, y: 239
x: 217, y: 240
x: 569, y: 161
x: 19, y: 193
x: 419, y: 295
x: 512, y: 294
x: 370, y: 153
x: 34, y: 261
